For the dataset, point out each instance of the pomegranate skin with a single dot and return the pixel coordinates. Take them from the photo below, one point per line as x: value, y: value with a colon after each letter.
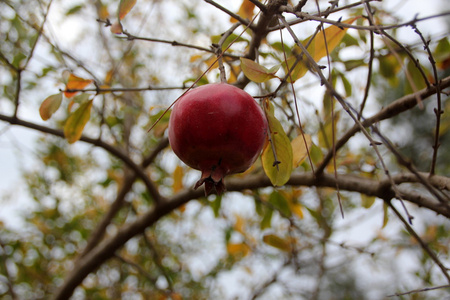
x: 218, y: 129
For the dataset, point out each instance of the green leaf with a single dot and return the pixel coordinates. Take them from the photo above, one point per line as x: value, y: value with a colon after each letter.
x: 347, y: 85
x: 18, y: 58
x: 215, y: 205
x: 385, y: 215
x: 280, y: 203
x: 277, y: 242
x: 266, y: 221
x: 50, y: 105
x: 231, y: 38
x: 316, y: 154
x: 417, y: 81
x: 354, y: 63
x: 442, y: 50
x: 76, y: 121
x: 278, y: 170
x: 124, y: 8
x: 255, y: 72
x: 367, y: 201
x: 74, y: 9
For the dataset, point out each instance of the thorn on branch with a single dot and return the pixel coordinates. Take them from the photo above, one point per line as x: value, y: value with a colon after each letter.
x: 107, y: 22
x: 375, y: 143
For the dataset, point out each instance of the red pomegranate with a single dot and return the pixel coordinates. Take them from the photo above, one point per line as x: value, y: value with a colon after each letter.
x: 218, y: 129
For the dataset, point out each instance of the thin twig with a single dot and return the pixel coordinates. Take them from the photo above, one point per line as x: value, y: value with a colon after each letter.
x: 420, y: 241
x: 420, y: 290
x: 438, y: 110
x: 230, y: 13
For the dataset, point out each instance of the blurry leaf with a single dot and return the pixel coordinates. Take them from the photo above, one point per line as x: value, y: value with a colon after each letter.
x: 354, y: 63
x: 81, y: 98
x: 215, y: 39
x: 18, y: 58
x: 116, y: 28
x: 266, y: 221
x: 347, y: 85
x: 277, y: 242
x: 124, y: 8
x: 103, y: 13
x: 216, y: 204
x: 326, y: 41
x: 74, y: 9
x: 234, y: 72
x: 50, y: 105
x: 326, y: 131
x: 279, y: 170
x: 418, y: 82
x: 177, y: 179
x: 280, y: 203
x: 389, y: 68
x: 255, y: 72
x: 239, y: 225
x: 442, y: 54
x: 239, y: 249
x: 367, y: 201
x: 316, y: 154
x: 385, y: 214
x: 349, y: 40
x: 297, y: 69
x: 296, y: 208
x: 300, y: 149
x: 76, y: 121
x: 245, y: 11
x: 163, y: 123
x: 75, y: 83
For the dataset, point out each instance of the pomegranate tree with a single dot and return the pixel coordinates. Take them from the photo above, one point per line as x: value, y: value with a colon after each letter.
x: 218, y: 129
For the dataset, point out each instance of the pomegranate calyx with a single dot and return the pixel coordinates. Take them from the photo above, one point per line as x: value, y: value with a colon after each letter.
x: 213, y: 180
x: 211, y: 186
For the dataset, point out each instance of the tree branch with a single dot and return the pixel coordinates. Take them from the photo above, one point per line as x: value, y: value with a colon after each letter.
x: 106, y: 249
x: 96, y: 142
x: 395, y: 108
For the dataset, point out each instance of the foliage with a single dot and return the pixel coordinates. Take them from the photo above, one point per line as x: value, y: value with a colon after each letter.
x: 350, y: 199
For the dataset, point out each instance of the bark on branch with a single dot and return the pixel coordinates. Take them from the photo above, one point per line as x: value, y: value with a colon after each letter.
x: 381, y: 189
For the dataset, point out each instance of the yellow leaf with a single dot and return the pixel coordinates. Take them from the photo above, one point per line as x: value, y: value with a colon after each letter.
x: 367, y: 201
x: 278, y: 170
x: 245, y: 11
x: 255, y: 72
x: 177, y: 179
x: 277, y: 242
x: 75, y: 83
x: 300, y: 148
x: 49, y: 106
x: 239, y: 225
x: 124, y: 8
x: 195, y: 57
x: 241, y: 249
x: 76, y: 121
x: 330, y: 38
x: 296, y: 209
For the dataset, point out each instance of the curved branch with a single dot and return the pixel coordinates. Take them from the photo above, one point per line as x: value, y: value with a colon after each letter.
x: 91, y: 261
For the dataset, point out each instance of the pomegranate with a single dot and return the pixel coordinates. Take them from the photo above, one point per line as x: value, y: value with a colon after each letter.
x: 218, y: 129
